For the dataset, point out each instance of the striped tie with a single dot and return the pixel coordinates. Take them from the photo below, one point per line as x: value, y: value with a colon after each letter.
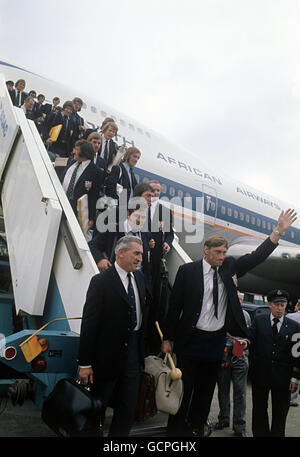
x: 70, y: 191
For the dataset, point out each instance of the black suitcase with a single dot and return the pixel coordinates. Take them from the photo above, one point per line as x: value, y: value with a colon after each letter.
x: 71, y: 410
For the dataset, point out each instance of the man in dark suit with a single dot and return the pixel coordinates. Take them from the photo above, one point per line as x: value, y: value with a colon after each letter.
x: 274, y: 368
x: 63, y: 145
x: 102, y: 246
x: 109, y: 147
x: 81, y: 176
x: 111, y: 349
x: 77, y: 120
x: 28, y: 107
x: 204, y: 305
x: 49, y: 108
x: 96, y: 140
x: 163, y: 234
x: 18, y: 95
x: 123, y: 174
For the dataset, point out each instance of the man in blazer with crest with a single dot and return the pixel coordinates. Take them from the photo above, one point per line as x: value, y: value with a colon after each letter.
x: 81, y: 176
x: 111, y: 349
x: 275, y: 367
x: 204, y: 305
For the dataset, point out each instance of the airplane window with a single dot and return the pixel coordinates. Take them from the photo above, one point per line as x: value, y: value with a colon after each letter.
x: 229, y: 212
x: 269, y: 225
x: 258, y: 222
x: 247, y: 218
x: 252, y: 220
x: 146, y: 180
x: 292, y: 234
x: 223, y: 209
x: 131, y: 126
x: 180, y: 193
x: 235, y: 214
x: 163, y: 189
x: 140, y: 131
x: 242, y: 216
x: 103, y: 113
x: 122, y: 122
x: 264, y: 224
x: 172, y: 191
x: 137, y: 177
x: 213, y: 206
x: 187, y: 194
x: 93, y: 109
x: 84, y: 105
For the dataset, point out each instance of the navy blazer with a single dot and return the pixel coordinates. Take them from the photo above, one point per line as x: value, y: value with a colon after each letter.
x: 272, y: 361
x: 187, y: 294
x: 91, y: 174
x: 105, y: 326
x: 13, y: 96
x: 118, y: 175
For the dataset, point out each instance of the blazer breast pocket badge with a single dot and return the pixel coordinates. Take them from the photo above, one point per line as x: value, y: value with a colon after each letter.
x: 88, y: 185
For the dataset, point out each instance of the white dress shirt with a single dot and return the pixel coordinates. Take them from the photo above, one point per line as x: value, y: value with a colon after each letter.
x: 103, y: 147
x: 70, y: 170
x: 207, y: 320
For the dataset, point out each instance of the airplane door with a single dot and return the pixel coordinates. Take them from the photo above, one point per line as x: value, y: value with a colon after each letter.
x: 210, y: 202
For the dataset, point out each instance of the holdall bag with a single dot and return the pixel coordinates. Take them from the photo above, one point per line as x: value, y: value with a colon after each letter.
x: 168, y: 392
x: 71, y: 410
x: 146, y: 402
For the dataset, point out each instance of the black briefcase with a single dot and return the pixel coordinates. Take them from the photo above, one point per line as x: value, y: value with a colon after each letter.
x: 71, y: 410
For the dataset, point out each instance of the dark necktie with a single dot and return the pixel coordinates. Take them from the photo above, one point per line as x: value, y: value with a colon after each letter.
x: 215, y: 291
x: 18, y: 98
x: 132, y: 178
x: 149, y: 219
x: 66, y: 124
x: 105, y: 152
x: 274, y: 326
x: 131, y: 298
x: 70, y: 191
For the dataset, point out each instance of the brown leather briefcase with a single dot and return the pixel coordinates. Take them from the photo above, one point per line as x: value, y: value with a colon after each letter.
x: 146, y: 404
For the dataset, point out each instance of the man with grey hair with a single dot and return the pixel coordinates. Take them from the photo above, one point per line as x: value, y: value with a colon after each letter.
x: 111, y: 349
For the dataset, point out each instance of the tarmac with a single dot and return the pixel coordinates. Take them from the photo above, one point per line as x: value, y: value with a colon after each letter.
x: 25, y: 421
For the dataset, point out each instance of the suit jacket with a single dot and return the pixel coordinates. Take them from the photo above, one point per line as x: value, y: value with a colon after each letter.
x: 103, y: 244
x: 271, y: 356
x: 118, y: 175
x: 187, y: 295
x: 13, y: 96
x: 92, y: 174
x: 65, y: 135
x: 162, y: 221
x: 105, y: 326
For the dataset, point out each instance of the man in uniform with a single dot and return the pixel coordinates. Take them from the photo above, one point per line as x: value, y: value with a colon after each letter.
x: 274, y: 367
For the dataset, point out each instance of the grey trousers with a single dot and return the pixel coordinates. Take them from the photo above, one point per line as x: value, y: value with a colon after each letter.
x: 238, y: 375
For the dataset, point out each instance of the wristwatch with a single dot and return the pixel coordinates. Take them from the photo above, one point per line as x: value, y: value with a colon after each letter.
x: 277, y: 232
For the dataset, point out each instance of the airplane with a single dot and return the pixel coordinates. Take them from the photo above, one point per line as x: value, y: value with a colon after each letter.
x: 244, y: 216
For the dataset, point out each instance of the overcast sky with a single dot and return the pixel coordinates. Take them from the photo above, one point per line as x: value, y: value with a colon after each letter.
x: 219, y: 77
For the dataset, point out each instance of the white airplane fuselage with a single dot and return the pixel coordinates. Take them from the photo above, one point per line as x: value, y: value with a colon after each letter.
x: 235, y: 210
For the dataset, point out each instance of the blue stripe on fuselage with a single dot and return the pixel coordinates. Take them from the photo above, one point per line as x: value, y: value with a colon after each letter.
x: 225, y: 211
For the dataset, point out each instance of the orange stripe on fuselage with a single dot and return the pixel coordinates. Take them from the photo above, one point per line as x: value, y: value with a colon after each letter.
x: 237, y: 232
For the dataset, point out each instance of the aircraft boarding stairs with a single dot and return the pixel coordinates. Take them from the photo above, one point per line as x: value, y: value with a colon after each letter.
x: 47, y: 265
